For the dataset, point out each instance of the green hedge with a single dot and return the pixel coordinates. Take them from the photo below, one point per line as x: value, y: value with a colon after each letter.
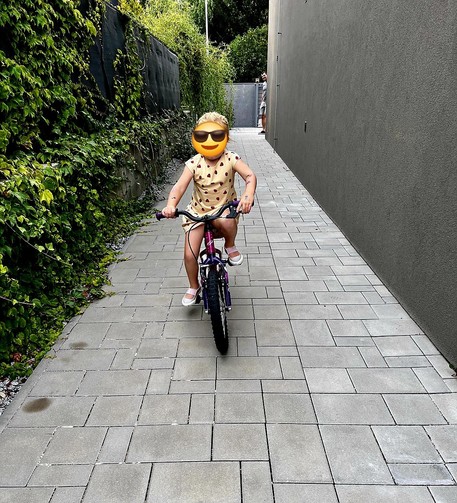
x: 59, y: 162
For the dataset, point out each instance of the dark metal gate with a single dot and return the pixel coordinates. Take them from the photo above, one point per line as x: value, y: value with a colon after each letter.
x: 246, y: 102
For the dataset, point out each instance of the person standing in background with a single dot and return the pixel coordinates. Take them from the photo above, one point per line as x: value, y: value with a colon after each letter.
x: 263, y: 104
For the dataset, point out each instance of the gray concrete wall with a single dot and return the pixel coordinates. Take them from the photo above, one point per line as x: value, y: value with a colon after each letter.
x: 375, y: 83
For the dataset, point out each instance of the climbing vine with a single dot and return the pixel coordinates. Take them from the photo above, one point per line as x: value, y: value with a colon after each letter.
x: 60, y: 154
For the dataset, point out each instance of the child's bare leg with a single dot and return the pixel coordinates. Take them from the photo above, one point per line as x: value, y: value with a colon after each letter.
x: 228, y: 227
x: 193, y: 240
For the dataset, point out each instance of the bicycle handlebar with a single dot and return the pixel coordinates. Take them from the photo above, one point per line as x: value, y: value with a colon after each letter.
x: 205, y: 218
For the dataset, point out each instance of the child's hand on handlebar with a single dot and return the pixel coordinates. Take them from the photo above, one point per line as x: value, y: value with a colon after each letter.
x: 169, y: 212
x: 246, y: 203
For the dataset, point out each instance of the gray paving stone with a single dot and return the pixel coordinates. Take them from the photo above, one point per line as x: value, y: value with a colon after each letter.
x: 444, y: 438
x: 114, y: 382
x: 86, y: 335
x: 115, y: 445
x: 300, y: 493
x: 115, y: 411
x: 354, y: 341
x: 357, y: 312
x: 165, y: 443
x: 26, y: 495
x: 421, y: 474
x: 256, y: 482
x: 407, y: 361
x: 195, y: 483
x: 312, y: 333
x: 274, y: 333
x: 444, y: 494
x: 425, y: 345
x: 77, y: 359
x: 392, y: 327
x: 201, y: 409
x: 372, y: 356
x: 354, y: 455
x: 399, y: 345
x: 177, y: 387
x: 310, y: 312
x: 247, y: 442
x: 118, y: 484
x: 284, y: 386
x: 351, y: 409
x: 68, y: 495
x: 249, y: 367
x: 57, y: 383
x: 239, y: 408
x: 247, y: 346
x: 55, y: 411
x: 108, y: 314
x: 327, y: 357
x: 405, y: 444
x: 277, y: 351
x: 447, y: 404
x: 328, y: 380
x: 201, y: 346
x: 164, y: 409
x: 431, y: 380
x: 153, y: 363
x: 297, y: 454
x: 21, y: 451
x: 303, y: 286
x: 238, y: 386
x: 191, y: 369
x: 291, y: 367
x: 382, y: 494
x: 347, y: 328
x: 158, y: 348
x: 125, y: 331
x: 288, y: 408
x: 389, y: 380
x: 414, y: 409
x: 74, y: 445
x: 61, y: 475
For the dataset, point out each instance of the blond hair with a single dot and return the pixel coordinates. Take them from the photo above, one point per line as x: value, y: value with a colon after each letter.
x: 214, y: 117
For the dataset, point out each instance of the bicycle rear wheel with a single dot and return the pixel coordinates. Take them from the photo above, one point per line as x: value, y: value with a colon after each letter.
x: 216, y: 307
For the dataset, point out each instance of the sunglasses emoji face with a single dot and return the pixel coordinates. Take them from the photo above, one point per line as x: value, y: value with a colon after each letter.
x: 209, y: 139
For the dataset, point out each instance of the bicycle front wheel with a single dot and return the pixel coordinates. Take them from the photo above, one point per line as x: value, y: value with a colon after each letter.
x: 216, y: 307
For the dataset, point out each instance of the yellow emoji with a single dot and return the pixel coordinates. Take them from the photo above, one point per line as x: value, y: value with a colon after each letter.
x: 209, y: 139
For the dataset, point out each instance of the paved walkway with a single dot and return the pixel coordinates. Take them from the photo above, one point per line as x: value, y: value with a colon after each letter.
x: 330, y: 392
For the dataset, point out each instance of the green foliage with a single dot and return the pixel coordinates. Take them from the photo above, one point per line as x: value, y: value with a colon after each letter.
x: 60, y: 160
x: 229, y: 18
x: 248, y: 54
x: 59, y: 213
x: 203, y: 70
x: 42, y: 60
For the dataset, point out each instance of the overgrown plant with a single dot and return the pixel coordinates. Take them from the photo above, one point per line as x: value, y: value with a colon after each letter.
x: 203, y: 69
x: 60, y: 211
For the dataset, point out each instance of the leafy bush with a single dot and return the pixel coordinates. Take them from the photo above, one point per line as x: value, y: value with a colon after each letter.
x: 60, y: 209
x: 248, y: 54
x: 203, y: 70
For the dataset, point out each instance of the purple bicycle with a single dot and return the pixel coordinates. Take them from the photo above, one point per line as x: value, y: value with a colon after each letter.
x: 214, y: 279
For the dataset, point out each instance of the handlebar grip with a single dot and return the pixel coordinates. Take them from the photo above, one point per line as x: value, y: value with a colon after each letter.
x: 159, y: 215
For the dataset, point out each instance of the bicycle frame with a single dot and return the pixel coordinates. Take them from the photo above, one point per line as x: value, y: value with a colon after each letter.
x: 212, y: 257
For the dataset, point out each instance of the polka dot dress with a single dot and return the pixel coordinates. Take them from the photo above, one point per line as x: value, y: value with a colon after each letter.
x: 213, y: 185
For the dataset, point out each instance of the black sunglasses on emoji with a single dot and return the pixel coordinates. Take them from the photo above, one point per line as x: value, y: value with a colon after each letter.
x: 202, y: 136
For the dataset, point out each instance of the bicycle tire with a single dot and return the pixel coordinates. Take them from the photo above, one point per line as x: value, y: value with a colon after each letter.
x: 216, y: 308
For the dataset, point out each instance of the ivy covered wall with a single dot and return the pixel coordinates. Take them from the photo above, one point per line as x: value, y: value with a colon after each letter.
x: 63, y: 145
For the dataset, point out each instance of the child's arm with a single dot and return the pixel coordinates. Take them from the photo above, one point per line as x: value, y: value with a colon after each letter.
x: 177, y: 192
x: 247, y: 198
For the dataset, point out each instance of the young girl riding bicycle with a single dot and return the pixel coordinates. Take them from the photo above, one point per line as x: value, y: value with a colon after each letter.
x: 213, y: 172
